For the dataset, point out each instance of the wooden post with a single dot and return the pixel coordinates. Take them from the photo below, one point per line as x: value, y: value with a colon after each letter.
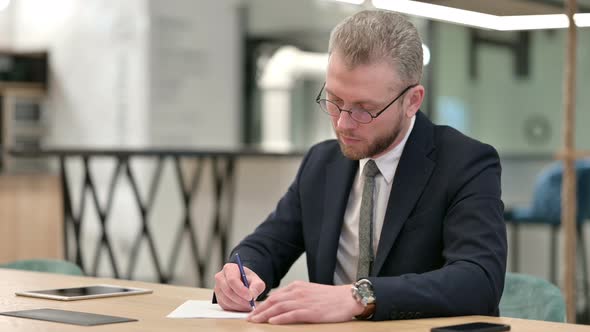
x: 568, y: 190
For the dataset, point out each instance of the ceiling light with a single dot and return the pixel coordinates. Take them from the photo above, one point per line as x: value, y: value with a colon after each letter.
x: 437, y: 12
x: 426, y: 55
x: 4, y: 4
x: 481, y: 20
x: 532, y: 22
x: 354, y: 2
x: 582, y: 20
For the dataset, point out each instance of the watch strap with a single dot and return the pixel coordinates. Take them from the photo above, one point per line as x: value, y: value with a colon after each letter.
x: 367, y: 313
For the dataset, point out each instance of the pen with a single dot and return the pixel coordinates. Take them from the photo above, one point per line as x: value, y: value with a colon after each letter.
x: 244, y: 279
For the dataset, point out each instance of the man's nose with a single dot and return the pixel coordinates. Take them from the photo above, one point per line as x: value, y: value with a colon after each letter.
x: 345, y: 121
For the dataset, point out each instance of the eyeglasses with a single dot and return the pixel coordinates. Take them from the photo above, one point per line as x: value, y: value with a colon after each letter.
x: 358, y: 114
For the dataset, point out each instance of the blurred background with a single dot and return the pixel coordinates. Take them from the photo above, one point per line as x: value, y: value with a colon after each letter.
x: 215, y: 102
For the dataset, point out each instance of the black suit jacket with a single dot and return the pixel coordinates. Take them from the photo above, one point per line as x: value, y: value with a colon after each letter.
x: 442, y: 250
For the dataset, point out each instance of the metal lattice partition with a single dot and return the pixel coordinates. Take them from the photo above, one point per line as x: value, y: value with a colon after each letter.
x: 190, y: 169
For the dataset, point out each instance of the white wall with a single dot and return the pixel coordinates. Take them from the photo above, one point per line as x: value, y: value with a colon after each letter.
x: 138, y: 72
x: 498, y: 103
x: 97, y: 52
x: 195, y: 67
x: 6, y: 26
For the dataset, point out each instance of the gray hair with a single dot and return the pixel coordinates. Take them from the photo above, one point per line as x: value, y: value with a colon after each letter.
x: 374, y: 35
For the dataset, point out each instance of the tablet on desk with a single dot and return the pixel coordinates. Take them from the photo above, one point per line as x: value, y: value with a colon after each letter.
x: 86, y: 292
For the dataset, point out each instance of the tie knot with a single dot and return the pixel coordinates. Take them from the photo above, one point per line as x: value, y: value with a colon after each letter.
x: 370, y: 169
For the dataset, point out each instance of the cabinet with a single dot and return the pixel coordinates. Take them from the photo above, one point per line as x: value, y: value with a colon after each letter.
x: 31, y: 217
x: 23, y: 115
x: 31, y: 214
x: 23, y: 127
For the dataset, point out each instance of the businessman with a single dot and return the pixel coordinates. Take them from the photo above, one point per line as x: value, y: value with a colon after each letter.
x: 399, y: 218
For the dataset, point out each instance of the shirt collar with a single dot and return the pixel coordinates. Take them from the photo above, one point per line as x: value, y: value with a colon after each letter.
x: 386, y: 162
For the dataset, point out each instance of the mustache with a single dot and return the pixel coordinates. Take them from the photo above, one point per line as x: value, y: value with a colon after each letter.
x: 347, y: 134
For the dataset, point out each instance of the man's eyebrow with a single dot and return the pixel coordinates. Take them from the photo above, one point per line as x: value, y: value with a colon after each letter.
x: 330, y: 92
x: 366, y: 101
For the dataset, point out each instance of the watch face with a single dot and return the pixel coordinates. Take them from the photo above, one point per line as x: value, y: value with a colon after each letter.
x: 365, y: 293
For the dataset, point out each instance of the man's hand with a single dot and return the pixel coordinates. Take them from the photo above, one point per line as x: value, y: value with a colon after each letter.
x: 230, y: 290
x: 304, y: 302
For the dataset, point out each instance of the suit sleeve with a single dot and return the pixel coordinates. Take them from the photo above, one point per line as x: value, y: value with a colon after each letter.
x: 276, y: 243
x: 474, y: 251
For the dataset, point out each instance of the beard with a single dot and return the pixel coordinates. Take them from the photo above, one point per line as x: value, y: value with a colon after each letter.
x: 372, y: 148
x: 379, y: 145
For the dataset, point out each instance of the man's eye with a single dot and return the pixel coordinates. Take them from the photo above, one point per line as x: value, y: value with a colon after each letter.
x: 338, y: 102
x: 333, y: 98
x: 361, y: 110
x: 367, y: 107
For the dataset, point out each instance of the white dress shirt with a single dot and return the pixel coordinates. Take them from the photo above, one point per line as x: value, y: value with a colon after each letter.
x: 348, y: 246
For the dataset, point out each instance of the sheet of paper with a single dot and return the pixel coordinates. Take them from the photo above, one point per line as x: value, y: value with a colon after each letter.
x: 204, y: 309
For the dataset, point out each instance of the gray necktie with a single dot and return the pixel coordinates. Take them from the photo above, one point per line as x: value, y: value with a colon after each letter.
x: 366, y: 255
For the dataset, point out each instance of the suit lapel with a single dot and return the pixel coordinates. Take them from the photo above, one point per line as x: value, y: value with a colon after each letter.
x: 412, y: 174
x: 339, y: 178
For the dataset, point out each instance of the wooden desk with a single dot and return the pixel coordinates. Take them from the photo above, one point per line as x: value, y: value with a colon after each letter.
x: 151, y: 310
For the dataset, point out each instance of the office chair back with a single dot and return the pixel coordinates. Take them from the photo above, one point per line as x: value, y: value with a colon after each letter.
x: 45, y: 265
x: 546, y: 203
x: 530, y: 297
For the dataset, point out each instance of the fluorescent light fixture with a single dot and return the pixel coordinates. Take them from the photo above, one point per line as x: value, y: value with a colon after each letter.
x: 354, y: 2
x: 4, y: 4
x: 582, y: 20
x: 481, y: 20
x: 532, y: 22
x: 425, y: 55
x: 437, y: 12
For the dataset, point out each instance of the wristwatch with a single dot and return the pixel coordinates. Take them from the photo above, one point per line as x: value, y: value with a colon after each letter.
x: 363, y: 293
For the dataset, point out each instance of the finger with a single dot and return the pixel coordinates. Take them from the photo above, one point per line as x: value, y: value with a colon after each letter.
x: 278, y: 296
x: 234, y: 280
x: 229, y: 293
x: 262, y: 315
x: 292, y: 291
x: 292, y: 287
x: 222, y: 287
x: 257, y: 286
x: 266, y: 304
x: 227, y: 303
x: 291, y: 317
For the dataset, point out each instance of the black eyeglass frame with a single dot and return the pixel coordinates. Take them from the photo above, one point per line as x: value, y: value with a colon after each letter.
x: 340, y: 110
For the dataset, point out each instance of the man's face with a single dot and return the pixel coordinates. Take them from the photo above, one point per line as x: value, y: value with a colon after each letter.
x: 370, y: 87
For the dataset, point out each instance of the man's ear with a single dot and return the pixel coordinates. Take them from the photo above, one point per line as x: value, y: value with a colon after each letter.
x: 413, y: 100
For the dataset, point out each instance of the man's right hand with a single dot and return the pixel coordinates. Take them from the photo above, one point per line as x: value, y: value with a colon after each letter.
x: 230, y: 290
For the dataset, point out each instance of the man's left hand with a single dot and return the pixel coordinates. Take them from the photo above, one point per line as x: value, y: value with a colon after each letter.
x: 304, y: 302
